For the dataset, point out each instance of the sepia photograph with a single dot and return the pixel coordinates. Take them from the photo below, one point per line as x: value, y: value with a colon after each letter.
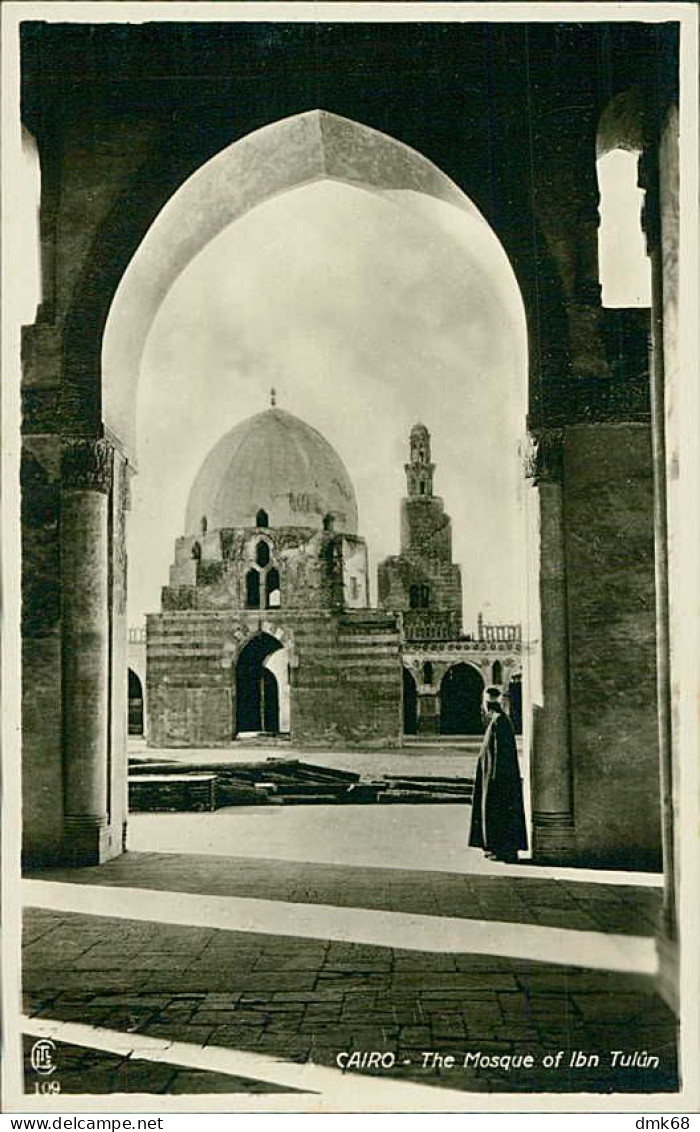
x: 349, y: 522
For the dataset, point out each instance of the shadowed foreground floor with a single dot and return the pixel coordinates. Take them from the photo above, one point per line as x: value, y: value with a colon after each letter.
x: 268, y: 1000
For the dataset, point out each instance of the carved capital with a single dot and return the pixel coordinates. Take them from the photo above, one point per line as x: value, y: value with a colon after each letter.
x: 87, y: 465
x: 543, y: 459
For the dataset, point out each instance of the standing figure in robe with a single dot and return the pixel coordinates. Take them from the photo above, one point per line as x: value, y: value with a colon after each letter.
x: 498, y: 814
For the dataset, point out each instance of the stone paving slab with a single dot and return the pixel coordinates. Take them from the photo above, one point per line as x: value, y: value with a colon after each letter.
x: 238, y: 990
x: 80, y: 1069
x: 619, y: 909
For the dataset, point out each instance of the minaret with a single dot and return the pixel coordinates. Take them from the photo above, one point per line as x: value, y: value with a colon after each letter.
x: 419, y: 471
x: 422, y: 581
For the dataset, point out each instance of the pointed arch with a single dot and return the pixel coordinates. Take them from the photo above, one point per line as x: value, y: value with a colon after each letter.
x: 287, y: 154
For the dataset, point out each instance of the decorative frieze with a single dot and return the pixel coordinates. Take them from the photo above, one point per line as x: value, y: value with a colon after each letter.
x: 87, y: 465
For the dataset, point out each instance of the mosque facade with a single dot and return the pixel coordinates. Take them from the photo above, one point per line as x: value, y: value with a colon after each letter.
x: 266, y: 623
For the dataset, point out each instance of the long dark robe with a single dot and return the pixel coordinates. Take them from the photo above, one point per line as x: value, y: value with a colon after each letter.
x: 498, y: 814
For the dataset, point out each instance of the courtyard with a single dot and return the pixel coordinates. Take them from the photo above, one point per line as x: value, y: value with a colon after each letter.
x: 251, y: 951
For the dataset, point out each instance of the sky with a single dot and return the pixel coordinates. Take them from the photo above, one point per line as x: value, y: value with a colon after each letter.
x: 366, y: 314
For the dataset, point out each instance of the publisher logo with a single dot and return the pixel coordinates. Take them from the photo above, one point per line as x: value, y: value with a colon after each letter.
x: 41, y: 1057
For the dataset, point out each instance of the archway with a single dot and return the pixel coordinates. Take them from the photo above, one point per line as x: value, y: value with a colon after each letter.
x: 282, y: 156
x: 135, y: 697
x: 410, y: 704
x: 320, y: 147
x: 257, y: 692
x: 460, y: 701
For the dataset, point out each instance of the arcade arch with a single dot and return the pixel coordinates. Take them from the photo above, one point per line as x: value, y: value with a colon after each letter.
x: 286, y: 155
x: 410, y: 703
x: 461, y: 693
x: 136, y: 705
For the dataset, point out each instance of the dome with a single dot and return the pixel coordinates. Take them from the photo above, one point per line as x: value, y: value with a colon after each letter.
x: 272, y: 462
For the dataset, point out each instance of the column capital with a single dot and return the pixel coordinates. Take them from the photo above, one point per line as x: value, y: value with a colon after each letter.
x: 543, y: 459
x: 87, y: 465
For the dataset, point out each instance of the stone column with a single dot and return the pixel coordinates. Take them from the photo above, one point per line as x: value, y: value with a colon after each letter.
x: 85, y: 487
x: 428, y: 712
x: 551, y: 769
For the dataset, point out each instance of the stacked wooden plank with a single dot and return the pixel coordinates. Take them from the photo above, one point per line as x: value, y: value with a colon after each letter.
x: 289, y: 782
x: 172, y: 793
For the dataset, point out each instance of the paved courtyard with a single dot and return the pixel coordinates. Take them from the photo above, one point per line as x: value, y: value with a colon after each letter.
x: 241, y: 953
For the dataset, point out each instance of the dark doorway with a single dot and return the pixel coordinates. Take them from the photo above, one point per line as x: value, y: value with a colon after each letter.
x: 410, y: 704
x: 257, y: 694
x: 460, y: 701
x: 135, y: 696
x: 515, y: 697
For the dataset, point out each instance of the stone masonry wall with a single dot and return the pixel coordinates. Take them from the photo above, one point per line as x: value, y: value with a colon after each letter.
x: 348, y: 684
x: 610, y: 597
x: 345, y: 676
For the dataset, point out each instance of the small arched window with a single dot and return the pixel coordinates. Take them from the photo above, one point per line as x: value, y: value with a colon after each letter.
x: 252, y: 589
x: 414, y: 597
x: 428, y: 672
x: 272, y: 589
x: 422, y: 487
x: 196, y: 551
x: 424, y: 597
x: 262, y: 554
x: 262, y: 518
x: 328, y: 522
x: 496, y: 672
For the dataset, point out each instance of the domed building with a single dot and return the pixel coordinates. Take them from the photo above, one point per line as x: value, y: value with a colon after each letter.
x: 265, y: 624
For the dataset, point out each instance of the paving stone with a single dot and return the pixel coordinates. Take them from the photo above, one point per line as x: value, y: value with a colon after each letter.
x: 267, y: 994
x: 203, y: 1082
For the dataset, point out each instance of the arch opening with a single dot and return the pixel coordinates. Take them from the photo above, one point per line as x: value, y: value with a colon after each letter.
x: 273, y: 595
x: 320, y: 147
x: 461, y: 695
x: 135, y: 703
x: 257, y: 689
x: 401, y: 180
x: 410, y: 703
x: 252, y: 589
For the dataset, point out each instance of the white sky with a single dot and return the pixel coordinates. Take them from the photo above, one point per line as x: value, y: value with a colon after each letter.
x: 625, y: 270
x: 366, y: 317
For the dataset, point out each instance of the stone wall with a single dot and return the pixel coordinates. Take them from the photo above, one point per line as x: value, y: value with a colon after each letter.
x: 190, y: 692
x: 314, y: 569
x: 345, y: 676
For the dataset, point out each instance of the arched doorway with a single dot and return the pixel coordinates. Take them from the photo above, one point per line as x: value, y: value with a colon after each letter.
x: 460, y: 701
x: 410, y: 704
x: 257, y: 692
x: 135, y: 695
